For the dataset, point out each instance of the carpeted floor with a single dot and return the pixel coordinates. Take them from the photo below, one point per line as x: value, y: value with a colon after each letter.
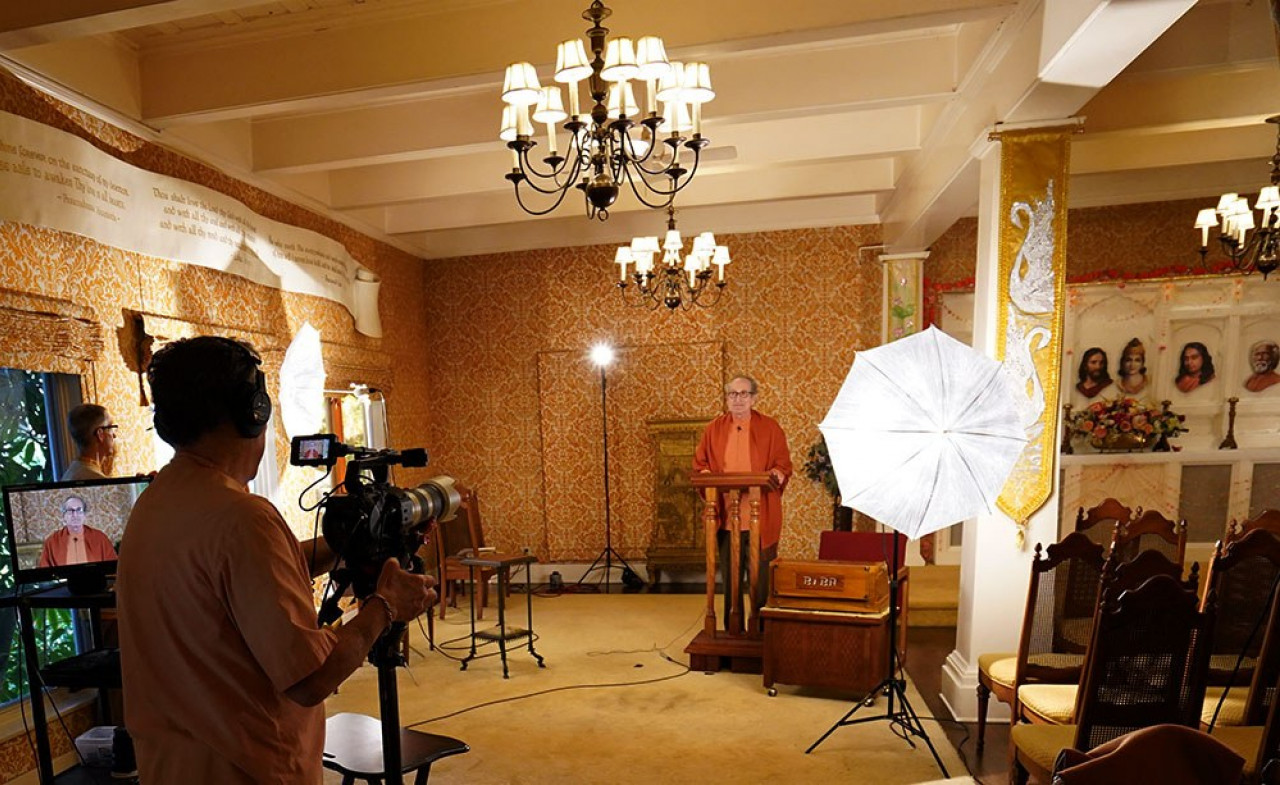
x: 616, y: 704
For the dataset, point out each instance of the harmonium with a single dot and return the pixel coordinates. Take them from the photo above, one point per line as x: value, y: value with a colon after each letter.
x: 847, y: 586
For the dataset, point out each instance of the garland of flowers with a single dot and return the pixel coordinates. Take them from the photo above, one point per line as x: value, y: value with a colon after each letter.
x: 1106, y: 420
x: 817, y: 467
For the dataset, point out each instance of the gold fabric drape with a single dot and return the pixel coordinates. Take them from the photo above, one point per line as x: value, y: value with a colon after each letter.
x: 1032, y: 272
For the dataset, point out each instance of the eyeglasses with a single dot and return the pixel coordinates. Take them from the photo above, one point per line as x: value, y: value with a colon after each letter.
x: 739, y: 394
x: 74, y: 510
x: 108, y: 427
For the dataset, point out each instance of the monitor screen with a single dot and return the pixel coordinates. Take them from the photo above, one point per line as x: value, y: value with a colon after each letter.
x: 68, y: 530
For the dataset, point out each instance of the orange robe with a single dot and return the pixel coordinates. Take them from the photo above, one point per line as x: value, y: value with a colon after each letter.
x: 97, y: 547
x: 216, y: 622
x: 768, y: 451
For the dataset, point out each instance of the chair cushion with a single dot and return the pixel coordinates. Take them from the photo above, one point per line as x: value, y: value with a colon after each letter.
x: 999, y: 668
x: 1039, y: 744
x: 1244, y: 740
x: 1232, y: 712
x: 1052, y: 704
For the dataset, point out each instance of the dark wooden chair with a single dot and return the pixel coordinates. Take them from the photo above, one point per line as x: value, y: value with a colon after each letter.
x: 457, y: 539
x: 1258, y: 739
x: 1061, y: 597
x: 1146, y: 665
x: 1267, y: 519
x: 353, y: 748
x: 1056, y: 703
x: 1151, y: 531
x: 1099, y: 521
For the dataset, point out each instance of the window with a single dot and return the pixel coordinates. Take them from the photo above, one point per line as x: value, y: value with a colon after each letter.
x: 33, y: 441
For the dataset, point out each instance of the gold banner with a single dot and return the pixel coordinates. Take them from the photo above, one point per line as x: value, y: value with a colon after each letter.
x: 1032, y: 273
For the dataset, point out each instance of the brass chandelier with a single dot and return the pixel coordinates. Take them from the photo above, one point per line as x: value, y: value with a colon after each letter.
x: 676, y: 280
x: 1249, y: 246
x: 615, y: 145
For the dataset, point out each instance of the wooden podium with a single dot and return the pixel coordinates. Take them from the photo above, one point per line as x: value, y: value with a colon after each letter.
x: 735, y: 646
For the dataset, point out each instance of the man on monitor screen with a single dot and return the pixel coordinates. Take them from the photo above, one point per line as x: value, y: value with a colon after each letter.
x: 76, y: 542
x: 95, y: 436
x: 225, y: 671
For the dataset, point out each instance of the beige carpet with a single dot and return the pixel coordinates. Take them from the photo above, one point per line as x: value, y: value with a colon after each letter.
x: 610, y: 708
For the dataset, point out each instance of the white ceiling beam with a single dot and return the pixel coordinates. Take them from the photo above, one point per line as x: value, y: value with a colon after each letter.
x: 32, y: 22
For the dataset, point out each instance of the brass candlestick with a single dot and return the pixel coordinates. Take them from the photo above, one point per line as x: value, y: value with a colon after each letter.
x: 1066, y: 430
x: 1229, y: 443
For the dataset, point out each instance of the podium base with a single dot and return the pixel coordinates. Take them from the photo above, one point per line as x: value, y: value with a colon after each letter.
x: 719, y: 651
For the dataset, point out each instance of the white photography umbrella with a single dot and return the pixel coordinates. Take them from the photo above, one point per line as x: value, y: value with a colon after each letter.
x: 302, y: 406
x: 924, y: 433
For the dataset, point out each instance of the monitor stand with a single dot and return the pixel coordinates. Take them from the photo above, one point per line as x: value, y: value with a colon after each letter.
x: 87, y: 583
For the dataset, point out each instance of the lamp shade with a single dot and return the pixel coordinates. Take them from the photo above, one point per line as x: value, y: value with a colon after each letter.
x: 697, y: 84
x: 1206, y: 218
x: 520, y: 88
x: 508, y: 131
x: 550, y: 108
x: 669, y: 85
x: 1268, y: 198
x: 622, y: 100
x: 619, y: 61
x: 571, y: 62
x: 651, y: 58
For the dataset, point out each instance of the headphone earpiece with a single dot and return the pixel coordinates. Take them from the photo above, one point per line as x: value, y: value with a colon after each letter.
x: 253, y: 411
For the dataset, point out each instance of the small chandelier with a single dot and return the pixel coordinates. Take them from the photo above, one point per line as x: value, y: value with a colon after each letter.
x: 1247, y: 252
x: 614, y: 144
x: 677, y: 281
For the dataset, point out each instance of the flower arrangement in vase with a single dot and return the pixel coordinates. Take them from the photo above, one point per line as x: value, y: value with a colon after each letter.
x: 817, y: 467
x: 1126, y: 425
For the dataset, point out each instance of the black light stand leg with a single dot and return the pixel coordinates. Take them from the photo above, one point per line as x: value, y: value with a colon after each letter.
x: 386, y: 655
x: 904, y: 716
x: 609, y: 555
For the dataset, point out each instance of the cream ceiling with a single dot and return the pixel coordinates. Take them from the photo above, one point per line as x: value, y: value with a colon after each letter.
x: 384, y: 113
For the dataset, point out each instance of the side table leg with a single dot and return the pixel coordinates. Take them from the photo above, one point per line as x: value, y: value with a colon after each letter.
x: 471, y: 572
x: 503, y: 576
x: 528, y: 569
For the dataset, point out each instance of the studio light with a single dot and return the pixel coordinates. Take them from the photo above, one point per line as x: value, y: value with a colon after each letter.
x: 616, y: 144
x: 677, y: 280
x: 1249, y: 246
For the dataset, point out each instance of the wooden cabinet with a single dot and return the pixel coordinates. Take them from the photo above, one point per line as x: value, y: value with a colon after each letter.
x: 848, y: 651
x: 676, y: 542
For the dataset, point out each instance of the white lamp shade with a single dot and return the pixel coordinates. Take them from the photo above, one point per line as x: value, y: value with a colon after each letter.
x: 602, y: 354
x: 640, y: 144
x: 1243, y: 221
x: 520, y: 88
x: 619, y: 61
x: 1226, y: 202
x: 641, y: 245
x: 670, y: 84
x: 697, y: 84
x: 571, y: 62
x: 622, y: 100
x: 673, y: 242
x: 675, y: 118
x: 721, y: 256
x: 1268, y: 198
x: 550, y: 108
x: 644, y: 262
x: 623, y: 256
x: 1206, y: 218
x: 651, y: 58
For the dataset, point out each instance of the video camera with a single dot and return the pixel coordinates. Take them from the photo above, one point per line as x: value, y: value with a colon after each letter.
x: 372, y: 520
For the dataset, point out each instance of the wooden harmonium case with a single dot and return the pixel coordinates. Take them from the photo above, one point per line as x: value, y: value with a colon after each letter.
x: 849, y: 586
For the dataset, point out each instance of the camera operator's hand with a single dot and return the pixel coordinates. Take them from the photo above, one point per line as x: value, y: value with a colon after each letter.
x: 409, y: 595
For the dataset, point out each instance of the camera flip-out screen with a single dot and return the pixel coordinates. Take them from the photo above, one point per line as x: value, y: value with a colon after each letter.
x: 317, y: 450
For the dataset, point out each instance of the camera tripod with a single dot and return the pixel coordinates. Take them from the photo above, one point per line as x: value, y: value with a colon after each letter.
x: 902, y: 718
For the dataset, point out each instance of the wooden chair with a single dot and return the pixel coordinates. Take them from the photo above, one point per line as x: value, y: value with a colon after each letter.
x: 1146, y: 665
x: 1099, y: 520
x: 1061, y: 597
x: 1258, y: 739
x: 1151, y: 531
x: 1056, y: 703
x: 455, y: 540
x: 1242, y: 577
x: 1267, y: 519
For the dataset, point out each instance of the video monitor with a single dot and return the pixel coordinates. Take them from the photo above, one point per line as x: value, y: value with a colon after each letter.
x: 69, y: 530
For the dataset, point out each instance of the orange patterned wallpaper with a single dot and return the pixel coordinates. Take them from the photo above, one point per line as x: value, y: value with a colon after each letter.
x: 516, y: 406
x: 1122, y: 241
x: 106, y: 282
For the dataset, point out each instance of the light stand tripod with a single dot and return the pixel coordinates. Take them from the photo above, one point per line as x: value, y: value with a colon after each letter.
x: 903, y: 716
x: 602, y: 355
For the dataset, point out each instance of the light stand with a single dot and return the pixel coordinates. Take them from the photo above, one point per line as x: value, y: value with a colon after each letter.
x: 602, y: 355
x: 903, y: 716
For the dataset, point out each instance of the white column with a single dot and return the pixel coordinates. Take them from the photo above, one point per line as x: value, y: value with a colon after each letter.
x: 994, y: 572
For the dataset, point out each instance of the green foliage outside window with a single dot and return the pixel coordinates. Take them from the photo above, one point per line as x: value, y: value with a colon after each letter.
x: 24, y: 458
